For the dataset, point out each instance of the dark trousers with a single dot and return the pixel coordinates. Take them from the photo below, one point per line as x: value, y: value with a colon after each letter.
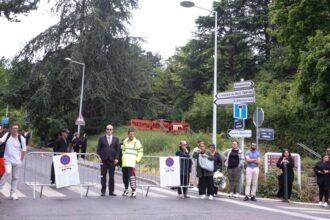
x: 52, y: 174
x: 215, y: 190
x: 184, y: 181
x: 83, y: 150
x: 280, y: 193
x: 106, y: 166
x: 206, y: 183
x: 129, y: 172
x: 323, y: 191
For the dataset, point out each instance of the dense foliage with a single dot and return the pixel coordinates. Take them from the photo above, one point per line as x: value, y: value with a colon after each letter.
x: 283, y: 46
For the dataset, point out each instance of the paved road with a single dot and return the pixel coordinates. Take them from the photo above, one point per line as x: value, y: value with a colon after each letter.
x: 160, y: 204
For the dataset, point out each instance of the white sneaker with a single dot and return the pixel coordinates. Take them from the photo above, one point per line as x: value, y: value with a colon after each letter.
x: 320, y: 203
x: 202, y: 197
x: 325, y: 204
x: 210, y: 197
x: 13, y: 196
x: 230, y: 194
x: 236, y: 195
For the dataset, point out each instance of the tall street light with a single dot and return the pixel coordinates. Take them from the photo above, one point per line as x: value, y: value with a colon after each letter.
x: 80, y: 121
x: 189, y: 4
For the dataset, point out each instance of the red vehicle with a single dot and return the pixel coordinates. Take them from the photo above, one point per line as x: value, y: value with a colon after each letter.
x: 160, y: 125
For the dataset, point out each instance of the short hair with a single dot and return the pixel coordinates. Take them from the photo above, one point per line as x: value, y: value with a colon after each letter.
x: 130, y: 130
x: 211, y: 145
x: 200, y: 142
x: 14, y: 125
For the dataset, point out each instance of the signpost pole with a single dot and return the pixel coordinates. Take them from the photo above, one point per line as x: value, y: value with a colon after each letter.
x: 241, y: 182
x: 257, y: 129
x: 7, y: 111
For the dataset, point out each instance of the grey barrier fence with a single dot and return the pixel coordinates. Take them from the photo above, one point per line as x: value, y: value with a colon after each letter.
x: 148, y: 173
x: 37, y: 170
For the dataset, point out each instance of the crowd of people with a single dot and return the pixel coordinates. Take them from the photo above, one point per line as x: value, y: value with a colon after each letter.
x: 199, y: 166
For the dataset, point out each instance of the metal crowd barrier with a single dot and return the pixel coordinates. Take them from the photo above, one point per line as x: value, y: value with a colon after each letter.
x: 148, y: 173
x: 37, y: 170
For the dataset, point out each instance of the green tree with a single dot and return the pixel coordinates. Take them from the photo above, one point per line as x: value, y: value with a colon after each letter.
x: 11, y: 8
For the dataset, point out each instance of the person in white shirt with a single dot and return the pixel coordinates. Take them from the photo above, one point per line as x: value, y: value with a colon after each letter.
x: 15, y: 149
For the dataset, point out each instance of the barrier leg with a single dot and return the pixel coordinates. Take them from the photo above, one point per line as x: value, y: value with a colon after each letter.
x: 34, y: 191
x: 42, y: 187
x: 182, y: 194
x: 81, y: 193
x: 147, y: 191
x: 87, y: 190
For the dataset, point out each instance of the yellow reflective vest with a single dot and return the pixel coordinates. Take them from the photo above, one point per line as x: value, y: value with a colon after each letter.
x: 132, y: 152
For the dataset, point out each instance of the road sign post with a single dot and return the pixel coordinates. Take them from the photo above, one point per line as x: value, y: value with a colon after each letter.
x: 258, y: 119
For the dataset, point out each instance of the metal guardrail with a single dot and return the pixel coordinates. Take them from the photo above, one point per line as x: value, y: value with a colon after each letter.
x: 303, y: 146
x: 37, y: 170
x: 148, y: 173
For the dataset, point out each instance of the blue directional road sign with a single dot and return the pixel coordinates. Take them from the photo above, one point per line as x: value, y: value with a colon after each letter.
x: 5, y: 121
x: 266, y: 134
x: 240, y: 111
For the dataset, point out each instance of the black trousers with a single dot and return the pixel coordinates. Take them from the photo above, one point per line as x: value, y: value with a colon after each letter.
x: 127, y: 173
x: 83, y: 150
x: 184, y: 181
x: 108, y: 166
x: 280, y: 193
x: 324, y: 191
x: 206, y: 183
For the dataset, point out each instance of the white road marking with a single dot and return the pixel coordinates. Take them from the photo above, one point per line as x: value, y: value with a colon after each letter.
x: 285, y: 212
x: 321, y: 212
x: 6, y: 191
x: 76, y: 189
x: 302, y: 208
x: 48, y: 191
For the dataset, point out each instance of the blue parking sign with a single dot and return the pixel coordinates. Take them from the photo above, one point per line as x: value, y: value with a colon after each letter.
x: 5, y: 121
x: 240, y: 111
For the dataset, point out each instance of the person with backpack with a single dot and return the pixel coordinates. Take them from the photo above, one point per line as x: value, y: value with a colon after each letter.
x: 14, y: 151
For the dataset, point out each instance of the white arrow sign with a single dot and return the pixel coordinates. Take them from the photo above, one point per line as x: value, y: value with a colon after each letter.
x: 233, y: 94
x: 240, y: 133
x: 244, y: 84
x: 241, y: 100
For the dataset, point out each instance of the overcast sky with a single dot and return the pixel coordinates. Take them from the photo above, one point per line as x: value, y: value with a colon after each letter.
x: 164, y: 25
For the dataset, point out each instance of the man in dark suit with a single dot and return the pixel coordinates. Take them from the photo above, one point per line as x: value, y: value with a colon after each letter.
x: 60, y: 146
x: 108, y: 150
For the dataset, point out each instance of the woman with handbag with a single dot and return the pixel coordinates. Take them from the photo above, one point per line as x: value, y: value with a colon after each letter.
x: 205, y: 169
x: 234, y: 161
x: 322, y: 171
x: 285, y: 160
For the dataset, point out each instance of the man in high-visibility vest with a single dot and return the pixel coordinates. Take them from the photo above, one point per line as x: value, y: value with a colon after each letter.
x: 132, y: 152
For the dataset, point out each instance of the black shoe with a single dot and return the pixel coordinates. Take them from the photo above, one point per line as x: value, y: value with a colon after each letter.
x: 102, y: 194
x: 52, y: 182
x: 246, y: 198
x: 112, y: 194
x: 253, y: 198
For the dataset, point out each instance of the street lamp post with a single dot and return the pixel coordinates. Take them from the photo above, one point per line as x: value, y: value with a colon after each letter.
x: 189, y: 4
x: 82, y: 88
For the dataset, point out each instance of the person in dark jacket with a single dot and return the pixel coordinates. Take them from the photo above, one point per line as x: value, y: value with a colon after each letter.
x: 285, y: 160
x: 322, y: 171
x: 76, y: 142
x: 84, y: 145
x: 217, y: 164
x: 185, y: 164
x: 108, y: 150
x: 205, y: 177
x: 60, y: 146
